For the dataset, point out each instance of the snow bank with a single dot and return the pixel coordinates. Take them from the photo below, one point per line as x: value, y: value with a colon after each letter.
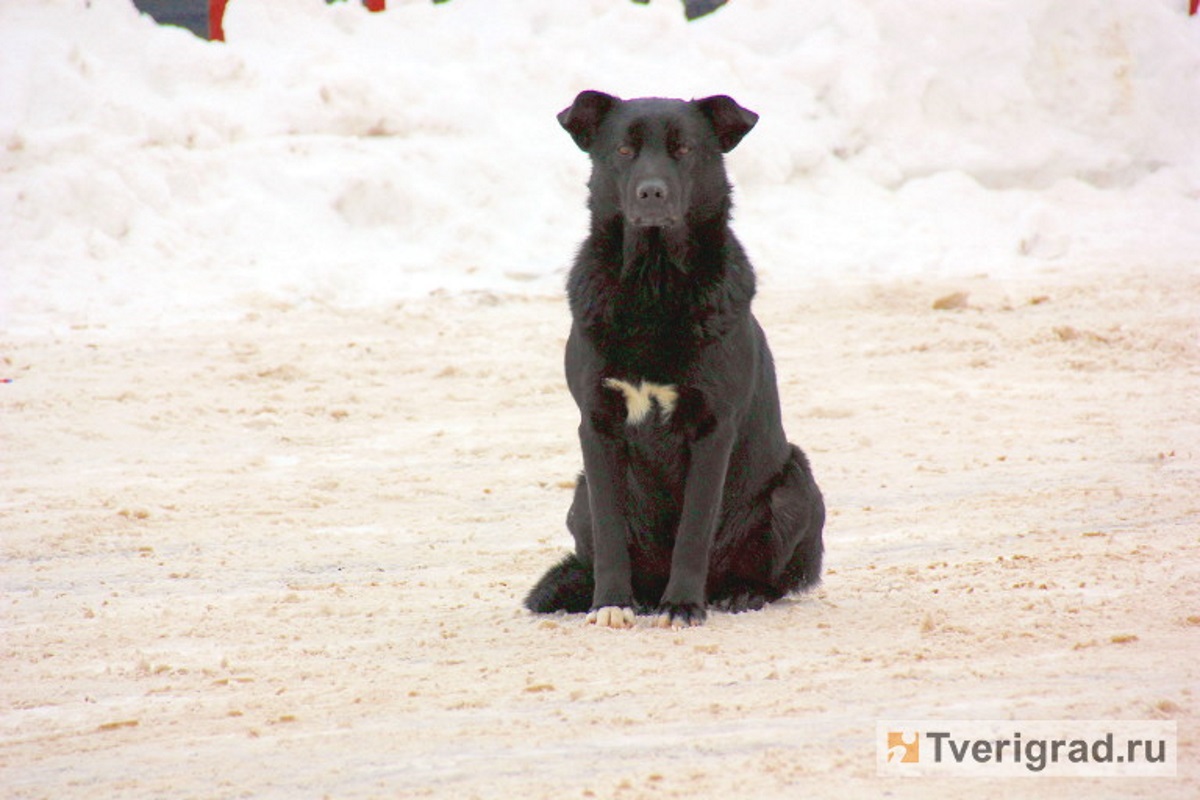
x: 328, y: 155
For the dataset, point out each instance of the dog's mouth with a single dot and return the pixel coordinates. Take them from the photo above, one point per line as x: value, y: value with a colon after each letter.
x: 654, y: 221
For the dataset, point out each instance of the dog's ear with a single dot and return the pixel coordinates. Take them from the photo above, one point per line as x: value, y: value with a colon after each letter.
x: 583, y: 118
x: 729, y: 120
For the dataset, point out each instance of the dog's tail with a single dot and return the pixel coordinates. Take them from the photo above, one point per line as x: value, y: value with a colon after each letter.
x: 567, y: 586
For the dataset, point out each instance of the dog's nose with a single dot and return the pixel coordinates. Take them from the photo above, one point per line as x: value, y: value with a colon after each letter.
x: 653, y: 189
x: 653, y: 204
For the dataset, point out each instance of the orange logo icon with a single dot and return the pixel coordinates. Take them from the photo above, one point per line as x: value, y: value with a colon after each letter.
x: 903, y: 747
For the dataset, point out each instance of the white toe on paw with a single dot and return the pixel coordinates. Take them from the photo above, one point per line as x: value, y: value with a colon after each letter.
x: 611, y: 617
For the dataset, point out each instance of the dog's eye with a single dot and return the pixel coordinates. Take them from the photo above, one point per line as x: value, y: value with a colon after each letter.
x: 625, y: 150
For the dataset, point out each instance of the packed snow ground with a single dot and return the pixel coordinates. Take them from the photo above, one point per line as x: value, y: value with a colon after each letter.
x: 329, y: 155
x: 283, y: 556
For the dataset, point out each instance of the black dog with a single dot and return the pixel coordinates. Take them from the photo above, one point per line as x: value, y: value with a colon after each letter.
x: 691, y: 494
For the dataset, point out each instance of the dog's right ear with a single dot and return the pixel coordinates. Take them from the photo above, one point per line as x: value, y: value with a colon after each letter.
x: 583, y: 118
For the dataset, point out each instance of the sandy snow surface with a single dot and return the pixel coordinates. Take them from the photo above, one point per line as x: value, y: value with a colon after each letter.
x: 284, y: 557
x: 284, y: 437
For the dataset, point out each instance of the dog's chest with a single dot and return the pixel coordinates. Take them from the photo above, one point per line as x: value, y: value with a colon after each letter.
x: 645, y: 401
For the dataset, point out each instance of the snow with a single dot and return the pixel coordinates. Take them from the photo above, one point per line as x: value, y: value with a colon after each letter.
x: 327, y: 155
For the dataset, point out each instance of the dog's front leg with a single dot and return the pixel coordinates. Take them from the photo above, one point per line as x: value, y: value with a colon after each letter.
x: 604, y: 464
x: 683, y: 603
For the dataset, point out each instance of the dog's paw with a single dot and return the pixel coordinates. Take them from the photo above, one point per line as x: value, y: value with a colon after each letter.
x: 611, y: 617
x: 745, y: 601
x: 680, y: 615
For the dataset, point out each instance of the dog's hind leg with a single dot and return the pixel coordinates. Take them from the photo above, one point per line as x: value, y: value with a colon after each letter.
x: 781, y: 549
x: 797, y: 520
x: 569, y: 585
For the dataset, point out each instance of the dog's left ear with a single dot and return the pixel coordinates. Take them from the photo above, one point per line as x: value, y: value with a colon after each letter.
x: 729, y: 120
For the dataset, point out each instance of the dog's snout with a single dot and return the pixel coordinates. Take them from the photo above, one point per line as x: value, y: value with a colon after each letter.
x: 652, y: 189
x: 653, y: 203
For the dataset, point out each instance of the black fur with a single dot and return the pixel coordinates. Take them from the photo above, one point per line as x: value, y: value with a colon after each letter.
x: 700, y: 501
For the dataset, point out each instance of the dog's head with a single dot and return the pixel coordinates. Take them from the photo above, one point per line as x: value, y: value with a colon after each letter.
x: 656, y: 162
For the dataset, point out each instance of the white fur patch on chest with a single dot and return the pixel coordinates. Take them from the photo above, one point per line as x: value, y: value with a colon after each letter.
x: 641, y: 399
